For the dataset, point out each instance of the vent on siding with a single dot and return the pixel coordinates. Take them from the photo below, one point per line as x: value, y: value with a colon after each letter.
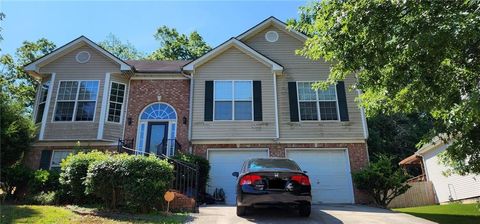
x: 83, y: 57
x: 271, y: 36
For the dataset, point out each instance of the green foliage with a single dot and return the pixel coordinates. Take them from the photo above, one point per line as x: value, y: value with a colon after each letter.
x: 44, y: 181
x: 74, y: 172
x: 15, y: 179
x: 396, y: 134
x: 382, y: 180
x: 44, y: 198
x: 176, y: 46
x: 203, y: 165
x: 17, y: 130
x: 409, y: 57
x: 14, y: 80
x: 134, y: 182
x: 2, y: 16
x: 124, y: 51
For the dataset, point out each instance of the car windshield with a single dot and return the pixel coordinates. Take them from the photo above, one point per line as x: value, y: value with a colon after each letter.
x: 272, y: 164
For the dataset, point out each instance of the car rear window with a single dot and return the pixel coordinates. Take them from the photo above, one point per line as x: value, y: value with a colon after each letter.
x: 276, y: 164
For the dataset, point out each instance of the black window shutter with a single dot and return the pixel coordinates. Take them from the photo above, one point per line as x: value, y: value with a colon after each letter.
x: 45, y: 159
x: 208, y: 113
x: 342, y: 101
x: 292, y: 98
x: 257, y: 101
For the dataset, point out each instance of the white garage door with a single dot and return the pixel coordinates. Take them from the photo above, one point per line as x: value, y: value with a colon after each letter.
x: 329, y: 172
x: 223, y: 163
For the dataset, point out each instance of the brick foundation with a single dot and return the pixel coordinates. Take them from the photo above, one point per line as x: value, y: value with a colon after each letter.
x: 144, y: 92
x: 357, y: 153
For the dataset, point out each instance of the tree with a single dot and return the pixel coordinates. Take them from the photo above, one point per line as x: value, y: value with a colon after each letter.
x: 382, y: 180
x: 17, y: 130
x: 396, y: 135
x: 124, y: 51
x: 14, y: 79
x: 409, y: 57
x: 176, y: 46
x: 2, y: 16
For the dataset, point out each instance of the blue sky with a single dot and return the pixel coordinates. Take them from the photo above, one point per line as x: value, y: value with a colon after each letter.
x: 63, y: 21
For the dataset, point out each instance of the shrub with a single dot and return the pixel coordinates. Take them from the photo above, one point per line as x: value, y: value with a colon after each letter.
x: 382, y: 180
x: 203, y: 165
x: 44, y: 198
x: 44, y: 181
x: 15, y: 180
x: 135, y: 182
x: 74, y: 173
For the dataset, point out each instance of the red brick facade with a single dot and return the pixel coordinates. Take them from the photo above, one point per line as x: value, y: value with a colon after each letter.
x: 357, y: 153
x: 144, y: 92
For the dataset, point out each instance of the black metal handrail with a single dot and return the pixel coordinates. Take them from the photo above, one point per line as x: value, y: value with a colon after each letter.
x: 186, y: 175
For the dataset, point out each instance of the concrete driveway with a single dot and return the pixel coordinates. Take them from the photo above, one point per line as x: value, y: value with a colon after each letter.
x: 326, y: 214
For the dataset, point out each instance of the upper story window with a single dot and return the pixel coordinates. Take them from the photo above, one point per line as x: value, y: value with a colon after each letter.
x: 76, y: 100
x: 317, y: 104
x: 233, y: 100
x: 42, y: 101
x: 117, y: 94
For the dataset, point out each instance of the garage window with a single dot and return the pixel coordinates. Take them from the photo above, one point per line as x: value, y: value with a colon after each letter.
x: 233, y: 100
x: 315, y: 105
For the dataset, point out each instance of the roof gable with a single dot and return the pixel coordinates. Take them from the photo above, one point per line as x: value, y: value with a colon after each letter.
x: 240, y: 46
x: 35, y: 65
x: 271, y: 21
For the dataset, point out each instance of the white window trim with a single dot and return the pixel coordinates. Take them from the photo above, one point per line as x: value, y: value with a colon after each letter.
x: 317, y: 104
x: 233, y: 101
x: 39, y: 100
x: 108, y: 103
x: 76, y: 101
x: 51, y: 157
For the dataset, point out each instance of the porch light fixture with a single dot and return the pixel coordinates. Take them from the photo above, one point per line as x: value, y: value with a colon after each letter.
x: 129, y: 121
x: 184, y: 120
x: 159, y: 97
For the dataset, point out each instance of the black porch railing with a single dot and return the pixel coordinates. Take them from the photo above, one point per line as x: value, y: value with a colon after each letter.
x: 186, y: 175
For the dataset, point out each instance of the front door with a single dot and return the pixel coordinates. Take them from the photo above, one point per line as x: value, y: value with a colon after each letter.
x: 157, y: 133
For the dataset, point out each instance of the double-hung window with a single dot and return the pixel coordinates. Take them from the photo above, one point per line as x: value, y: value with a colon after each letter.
x: 57, y: 157
x: 233, y: 100
x: 117, y: 94
x: 42, y: 101
x: 317, y: 104
x: 76, y: 100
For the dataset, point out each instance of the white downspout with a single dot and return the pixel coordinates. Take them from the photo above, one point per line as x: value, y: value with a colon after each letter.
x: 190, y: 112
x: 277, y: 132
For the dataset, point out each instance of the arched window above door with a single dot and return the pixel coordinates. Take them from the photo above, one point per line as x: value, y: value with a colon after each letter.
x: 159, y: 111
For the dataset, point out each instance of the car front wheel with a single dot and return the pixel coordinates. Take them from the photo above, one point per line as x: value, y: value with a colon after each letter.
x: 241, y: 210
x: 304, y: 210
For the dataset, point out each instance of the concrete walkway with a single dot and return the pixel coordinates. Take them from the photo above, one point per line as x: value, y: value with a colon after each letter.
x: 327, y: 214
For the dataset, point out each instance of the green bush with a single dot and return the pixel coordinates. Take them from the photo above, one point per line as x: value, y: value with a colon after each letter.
x: 44, y: 181
x: 74, y: 172
x: 44, y: 198
x: 15, y: 179
x: 204, y: 167
x: 382, y: 180
x: 134, y: 182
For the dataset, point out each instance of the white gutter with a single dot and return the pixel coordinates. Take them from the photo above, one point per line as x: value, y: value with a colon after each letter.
x: 47, y: 107
x: 101, y: 122
x: 277, y: 132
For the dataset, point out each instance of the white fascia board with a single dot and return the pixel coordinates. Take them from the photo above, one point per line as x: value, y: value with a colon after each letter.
x: 239, y: 45
x: 272, y: 21
x: 34, y: 66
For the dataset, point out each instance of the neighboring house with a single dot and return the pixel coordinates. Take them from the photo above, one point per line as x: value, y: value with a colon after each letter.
x: 249, y: 97
x: 447, y: 188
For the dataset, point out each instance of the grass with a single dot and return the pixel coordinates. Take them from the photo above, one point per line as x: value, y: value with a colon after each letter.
x: 446, y: 214
x: 55, y: 214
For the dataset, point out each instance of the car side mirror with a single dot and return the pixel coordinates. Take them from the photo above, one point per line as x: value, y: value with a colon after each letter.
x: 305, y: 171
x: 235, y: 174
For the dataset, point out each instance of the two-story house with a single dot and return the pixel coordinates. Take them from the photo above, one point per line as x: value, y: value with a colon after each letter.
x: 249, y: 97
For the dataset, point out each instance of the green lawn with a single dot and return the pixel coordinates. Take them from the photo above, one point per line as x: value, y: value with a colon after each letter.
x: 55, y: 214
x: 446, y: 214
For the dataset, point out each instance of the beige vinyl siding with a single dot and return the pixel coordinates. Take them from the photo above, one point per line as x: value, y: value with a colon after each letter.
x: 67, y: 68
x: 114, y: 131
x: 233, y: 65
x: 298, y: 68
